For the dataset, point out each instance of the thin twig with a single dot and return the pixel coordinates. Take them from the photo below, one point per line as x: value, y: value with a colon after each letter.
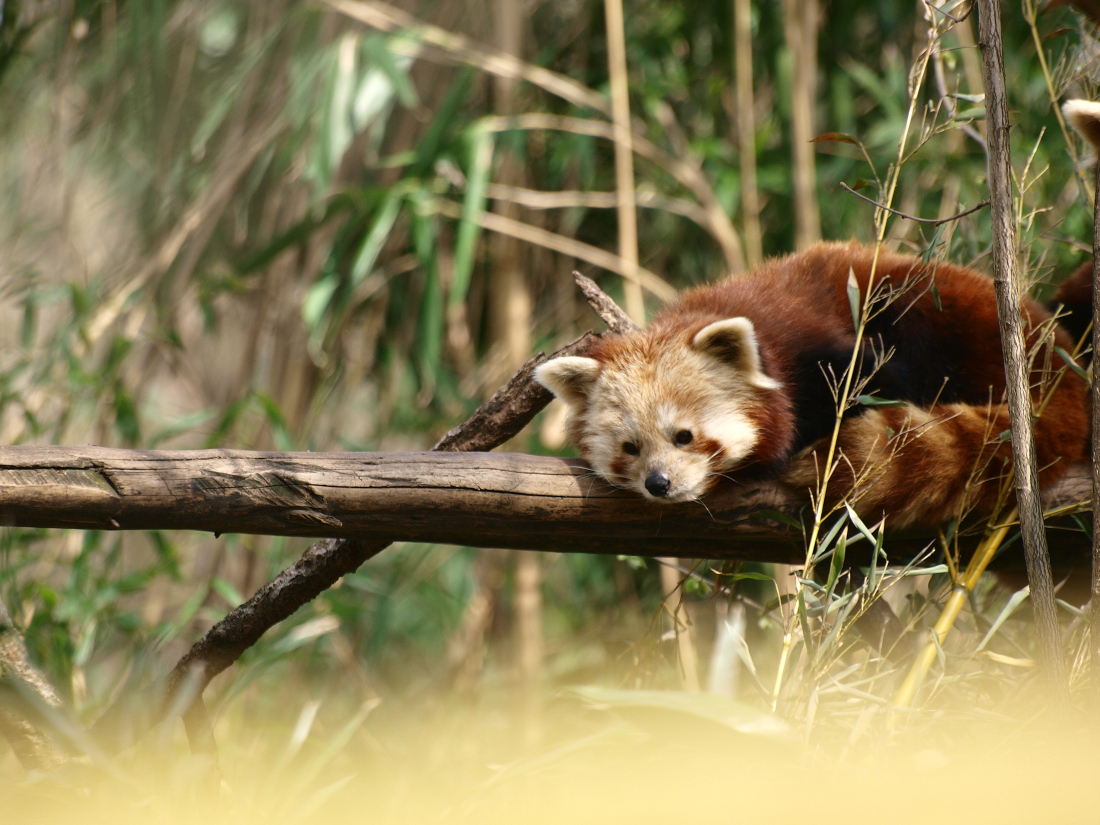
x: 602, y: 304
x: 900, y: 214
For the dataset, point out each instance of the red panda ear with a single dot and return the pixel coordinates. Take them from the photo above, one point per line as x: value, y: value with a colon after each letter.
x: 1085, y: 117
x: 570, y: 378
x: 733, y: 341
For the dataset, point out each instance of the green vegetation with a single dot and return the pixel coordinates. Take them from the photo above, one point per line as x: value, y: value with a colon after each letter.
x: 263, y: 226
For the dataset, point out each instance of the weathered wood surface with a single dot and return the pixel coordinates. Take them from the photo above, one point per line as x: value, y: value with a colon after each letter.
x: 507, y: 500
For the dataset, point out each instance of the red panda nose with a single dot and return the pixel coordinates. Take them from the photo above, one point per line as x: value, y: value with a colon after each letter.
x: 657, y: 483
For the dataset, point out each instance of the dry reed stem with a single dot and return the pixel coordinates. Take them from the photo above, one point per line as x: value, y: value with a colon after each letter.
x: 800, y: 27
x: 746, y: 132
x: 458, y: 48
x: 563, y: 244
x: 686, y: 173
x: 575, y: 198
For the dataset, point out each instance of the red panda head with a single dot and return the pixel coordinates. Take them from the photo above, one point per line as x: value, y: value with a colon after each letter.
x: 667, y: 412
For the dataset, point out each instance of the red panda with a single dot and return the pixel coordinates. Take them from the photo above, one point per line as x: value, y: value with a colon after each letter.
x: 736, y: 380
x: 739, y: 380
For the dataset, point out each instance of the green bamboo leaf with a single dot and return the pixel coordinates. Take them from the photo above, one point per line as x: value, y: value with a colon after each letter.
x: 480, y: 146
x: 395, y: 68
x: 1071, y: 363
x: 854, y: 302
x: 1010, y: 607
x: 227, y: 591
x: 836, y: 565
x: 429, y: 330
x: 752, y: 576
x: 376, y: 236
x: 875, y: 401
x: 317, y: 301
x: 280, y: 433
x: 974, y: 113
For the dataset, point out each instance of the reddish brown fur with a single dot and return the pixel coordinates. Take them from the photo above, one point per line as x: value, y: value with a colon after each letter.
x: 800, y: 310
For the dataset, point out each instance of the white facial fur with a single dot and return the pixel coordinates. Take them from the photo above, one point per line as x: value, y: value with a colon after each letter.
x: 648, y: 395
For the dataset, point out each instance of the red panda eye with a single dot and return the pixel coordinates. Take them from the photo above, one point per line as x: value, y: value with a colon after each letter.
x: 683, y: 438
x: 630, y: 448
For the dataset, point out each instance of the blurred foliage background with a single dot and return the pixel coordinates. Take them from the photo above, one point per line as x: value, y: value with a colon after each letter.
x: 277, y: 226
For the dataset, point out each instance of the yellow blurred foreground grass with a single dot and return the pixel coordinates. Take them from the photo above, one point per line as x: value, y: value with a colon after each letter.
x: 593, y: 756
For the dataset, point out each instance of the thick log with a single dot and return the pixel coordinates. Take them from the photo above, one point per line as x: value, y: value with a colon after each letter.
x: 508, y: 500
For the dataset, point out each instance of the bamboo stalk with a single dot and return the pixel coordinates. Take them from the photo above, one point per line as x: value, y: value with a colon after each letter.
x: 746, y: 132
x: 800, y: 24
x: 964, y: 586
x: 624, y: 159
x: 687, y: 172
x: 1006, y: 280
x: 563, y: 244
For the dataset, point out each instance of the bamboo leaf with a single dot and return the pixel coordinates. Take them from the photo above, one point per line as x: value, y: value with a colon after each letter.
x: 480, y: 146
x: 1071, y: 362
x: 875, y: 401
x: 836, y: 137
x: 854, y: 302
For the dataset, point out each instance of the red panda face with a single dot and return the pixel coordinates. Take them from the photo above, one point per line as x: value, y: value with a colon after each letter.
x: 665, y: 415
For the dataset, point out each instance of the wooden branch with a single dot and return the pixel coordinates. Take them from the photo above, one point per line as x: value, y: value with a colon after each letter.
x: 601, y: 303
x: 496, y: 421
x: 507, y: 500
x: 512, y: 406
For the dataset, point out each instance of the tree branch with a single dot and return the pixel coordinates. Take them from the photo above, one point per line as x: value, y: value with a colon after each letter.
x: 506, y: 500
x: 496, y: 421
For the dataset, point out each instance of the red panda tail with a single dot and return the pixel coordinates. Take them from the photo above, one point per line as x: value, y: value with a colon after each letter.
x: 925, y: 466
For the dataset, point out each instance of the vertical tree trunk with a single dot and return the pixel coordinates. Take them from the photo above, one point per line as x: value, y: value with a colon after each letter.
x: 800, y: 27
x: 509, y: 298
x: 1006, y: 280
x: 746, y: 132
x: 624, y: 158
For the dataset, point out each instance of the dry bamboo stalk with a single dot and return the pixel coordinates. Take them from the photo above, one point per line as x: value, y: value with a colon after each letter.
x: 560, y: 243
x: 624, y: 158
x: 800, y: 24
x: 687, y: 173
x: 964, y: 586
x: 568, y: 198
x: 460, y: 49
x: 1012, y: 345
x: 746, y: 132
x: 510, y: 300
